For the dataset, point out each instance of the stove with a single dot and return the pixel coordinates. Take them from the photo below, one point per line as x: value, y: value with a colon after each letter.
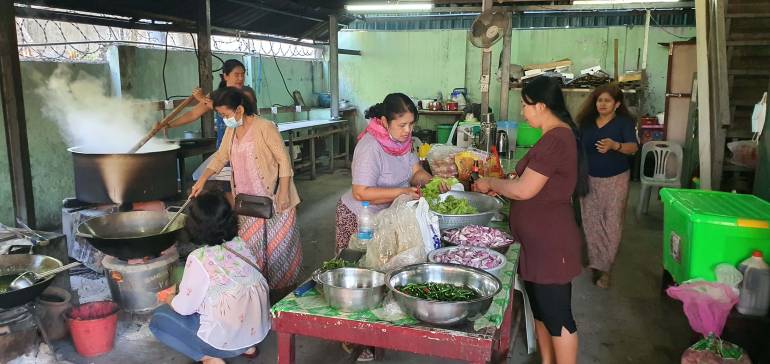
x: 141, y: 287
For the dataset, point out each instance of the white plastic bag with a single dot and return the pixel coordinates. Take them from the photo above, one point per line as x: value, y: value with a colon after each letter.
x: 758, y: 117
x: 428, y: 223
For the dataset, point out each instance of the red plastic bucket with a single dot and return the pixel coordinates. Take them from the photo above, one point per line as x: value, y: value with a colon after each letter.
x: 92, y: 326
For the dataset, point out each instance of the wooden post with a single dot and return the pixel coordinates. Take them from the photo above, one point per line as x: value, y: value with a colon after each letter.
x: 14, y: 118
x: 704, y: 102
x: 719, y: 89
x: 205, y: 77
x: 334, y: 78
x: 486, y: 66
x: 616, y: 46
x: 505, y: 75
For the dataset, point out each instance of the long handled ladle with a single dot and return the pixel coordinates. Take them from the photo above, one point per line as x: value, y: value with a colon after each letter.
x: 162, y: 124
x: 179, y: 212
x: 28, y: 279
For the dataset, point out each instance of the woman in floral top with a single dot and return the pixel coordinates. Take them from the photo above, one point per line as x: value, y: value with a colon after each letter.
x: 221, y: 309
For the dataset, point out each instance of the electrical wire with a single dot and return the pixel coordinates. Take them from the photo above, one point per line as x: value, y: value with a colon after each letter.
x: 284, y: 80
x: 165, y: 59
x: 652, y: 18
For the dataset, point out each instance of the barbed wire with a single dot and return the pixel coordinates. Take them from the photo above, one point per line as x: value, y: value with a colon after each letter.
x: 59, y: 41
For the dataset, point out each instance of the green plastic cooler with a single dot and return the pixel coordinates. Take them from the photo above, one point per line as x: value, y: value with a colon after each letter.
x: 704, y: 228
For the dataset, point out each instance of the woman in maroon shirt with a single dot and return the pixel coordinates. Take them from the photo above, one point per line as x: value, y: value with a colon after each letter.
x: 542, y: 217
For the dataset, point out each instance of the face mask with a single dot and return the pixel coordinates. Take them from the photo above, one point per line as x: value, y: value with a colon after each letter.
x: 758, y: 117
x: 232, y: 123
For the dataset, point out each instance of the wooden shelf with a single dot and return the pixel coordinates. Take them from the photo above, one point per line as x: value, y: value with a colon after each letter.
x: 443, y: 112
x: 582, y: 90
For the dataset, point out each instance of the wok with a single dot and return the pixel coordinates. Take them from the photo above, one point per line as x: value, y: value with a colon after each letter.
x: 131, y: 235
x: 14, y: 264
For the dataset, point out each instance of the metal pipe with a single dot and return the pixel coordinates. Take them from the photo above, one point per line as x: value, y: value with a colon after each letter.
x: 505, y: 75
x: 334, y: 81
x: 647, y: 16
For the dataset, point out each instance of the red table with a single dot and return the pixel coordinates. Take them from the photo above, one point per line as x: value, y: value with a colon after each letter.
x: 490, y: 344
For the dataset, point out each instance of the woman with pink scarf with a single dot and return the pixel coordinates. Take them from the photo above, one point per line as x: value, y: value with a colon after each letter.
x: 383, y: 168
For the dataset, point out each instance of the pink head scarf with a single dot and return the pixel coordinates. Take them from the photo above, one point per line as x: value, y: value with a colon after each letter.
x: 391, y: 146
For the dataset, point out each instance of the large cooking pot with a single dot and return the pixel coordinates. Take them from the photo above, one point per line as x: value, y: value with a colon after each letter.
x: 12, y: 265
x: 131, y: 235
x: 118, y: 178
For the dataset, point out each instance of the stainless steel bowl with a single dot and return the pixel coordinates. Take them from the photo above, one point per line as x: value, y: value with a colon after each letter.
x: 352, y: 289
x: 440, y: 312
x: 486, y: 205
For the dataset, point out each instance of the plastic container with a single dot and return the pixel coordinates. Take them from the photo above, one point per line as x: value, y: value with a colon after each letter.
x: 92, y: 326
x: 442, y: 133
x: 755, y: 290
x: 365, y: 223
x: 527, y: 136
x: 702, y: 229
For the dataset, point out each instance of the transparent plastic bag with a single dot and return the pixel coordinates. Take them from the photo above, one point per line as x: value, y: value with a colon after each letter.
x: 744, y: 153
x: 441, y: 159
x: 397, y: 239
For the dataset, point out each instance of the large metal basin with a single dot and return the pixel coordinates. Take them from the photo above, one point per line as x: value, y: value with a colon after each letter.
x: 444, y: 313
x: 131, y: 235
x: 486, y: 205
x: 118, y: 178
x: 352, y: 289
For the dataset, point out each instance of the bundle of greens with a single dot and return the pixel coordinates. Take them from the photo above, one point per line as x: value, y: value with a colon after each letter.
x: 336, y: 263
x: 439, y: 292
x: 451, y: 205
x: 432, y: 188
x: 454, y: 206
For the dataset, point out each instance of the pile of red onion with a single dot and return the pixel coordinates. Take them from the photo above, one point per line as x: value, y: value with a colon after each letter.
x: 473, y: 257
x: 479, y: 236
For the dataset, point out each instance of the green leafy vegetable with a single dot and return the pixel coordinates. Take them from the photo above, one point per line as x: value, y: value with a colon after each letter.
x: 451, y: 205
x: 454, y: 206
x: 336, y: 263
x: 432, y: 188
x: 439, y: 292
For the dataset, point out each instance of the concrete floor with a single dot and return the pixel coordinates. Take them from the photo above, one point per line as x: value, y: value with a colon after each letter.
x: 629, y: 323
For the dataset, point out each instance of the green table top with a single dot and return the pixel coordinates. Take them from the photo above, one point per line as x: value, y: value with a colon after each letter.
x: 312, y: 303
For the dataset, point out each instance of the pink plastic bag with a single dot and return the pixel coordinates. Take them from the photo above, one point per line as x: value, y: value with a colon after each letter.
x: 706, y: 305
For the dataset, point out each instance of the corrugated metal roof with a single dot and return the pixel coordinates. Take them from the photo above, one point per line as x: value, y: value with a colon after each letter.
x: 302, y: 19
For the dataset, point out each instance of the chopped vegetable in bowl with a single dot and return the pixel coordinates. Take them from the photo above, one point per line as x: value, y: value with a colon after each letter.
x: 468, y: 256
x: 439, y: 292
x: 478, y: 236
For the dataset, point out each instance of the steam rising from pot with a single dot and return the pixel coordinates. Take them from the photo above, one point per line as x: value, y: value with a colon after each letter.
x: 90, y: 119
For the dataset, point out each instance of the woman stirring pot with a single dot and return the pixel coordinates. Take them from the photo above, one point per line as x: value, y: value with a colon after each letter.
x: 543, y: 220
x: 261, y: 167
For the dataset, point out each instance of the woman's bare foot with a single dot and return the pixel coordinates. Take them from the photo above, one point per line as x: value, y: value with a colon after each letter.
x: 210, y: 360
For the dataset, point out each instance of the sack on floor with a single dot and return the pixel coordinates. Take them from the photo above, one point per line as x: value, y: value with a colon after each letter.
x: 397, y: 239
x: 713, y: 350
x: 706, y: 305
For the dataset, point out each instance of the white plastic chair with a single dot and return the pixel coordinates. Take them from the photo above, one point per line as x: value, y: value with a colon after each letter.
x: 666, y: 172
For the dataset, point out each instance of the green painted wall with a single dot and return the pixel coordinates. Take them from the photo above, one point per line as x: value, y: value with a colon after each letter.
x: 420, y: 63
x: 51, y: 164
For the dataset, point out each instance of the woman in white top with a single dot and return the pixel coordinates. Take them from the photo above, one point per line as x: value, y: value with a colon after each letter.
x: 221, y: 309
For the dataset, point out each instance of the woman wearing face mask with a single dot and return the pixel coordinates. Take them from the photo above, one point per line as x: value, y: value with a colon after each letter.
x: 233, y: 75
x: 383, y: 166
x: 609, y: 137
x: 542, y: 217
x: 254, y: 148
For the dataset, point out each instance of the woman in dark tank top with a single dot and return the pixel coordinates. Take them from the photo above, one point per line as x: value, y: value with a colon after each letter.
x: 542, y: 217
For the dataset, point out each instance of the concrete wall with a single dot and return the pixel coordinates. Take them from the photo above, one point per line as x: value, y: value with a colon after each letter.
x: 135, y: 72
x: 420, y: 63
x: 51, y: 164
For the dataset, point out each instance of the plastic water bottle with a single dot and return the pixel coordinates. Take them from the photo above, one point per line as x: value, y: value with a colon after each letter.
x: 755, y: 290
x: 365, y: 223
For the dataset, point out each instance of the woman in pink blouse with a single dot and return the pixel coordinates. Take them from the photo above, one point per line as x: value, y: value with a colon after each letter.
x: 221, y: 309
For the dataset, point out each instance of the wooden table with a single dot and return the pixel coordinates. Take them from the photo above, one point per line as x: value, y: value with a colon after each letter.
x: 489, y: 344
x: 311, y: 131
